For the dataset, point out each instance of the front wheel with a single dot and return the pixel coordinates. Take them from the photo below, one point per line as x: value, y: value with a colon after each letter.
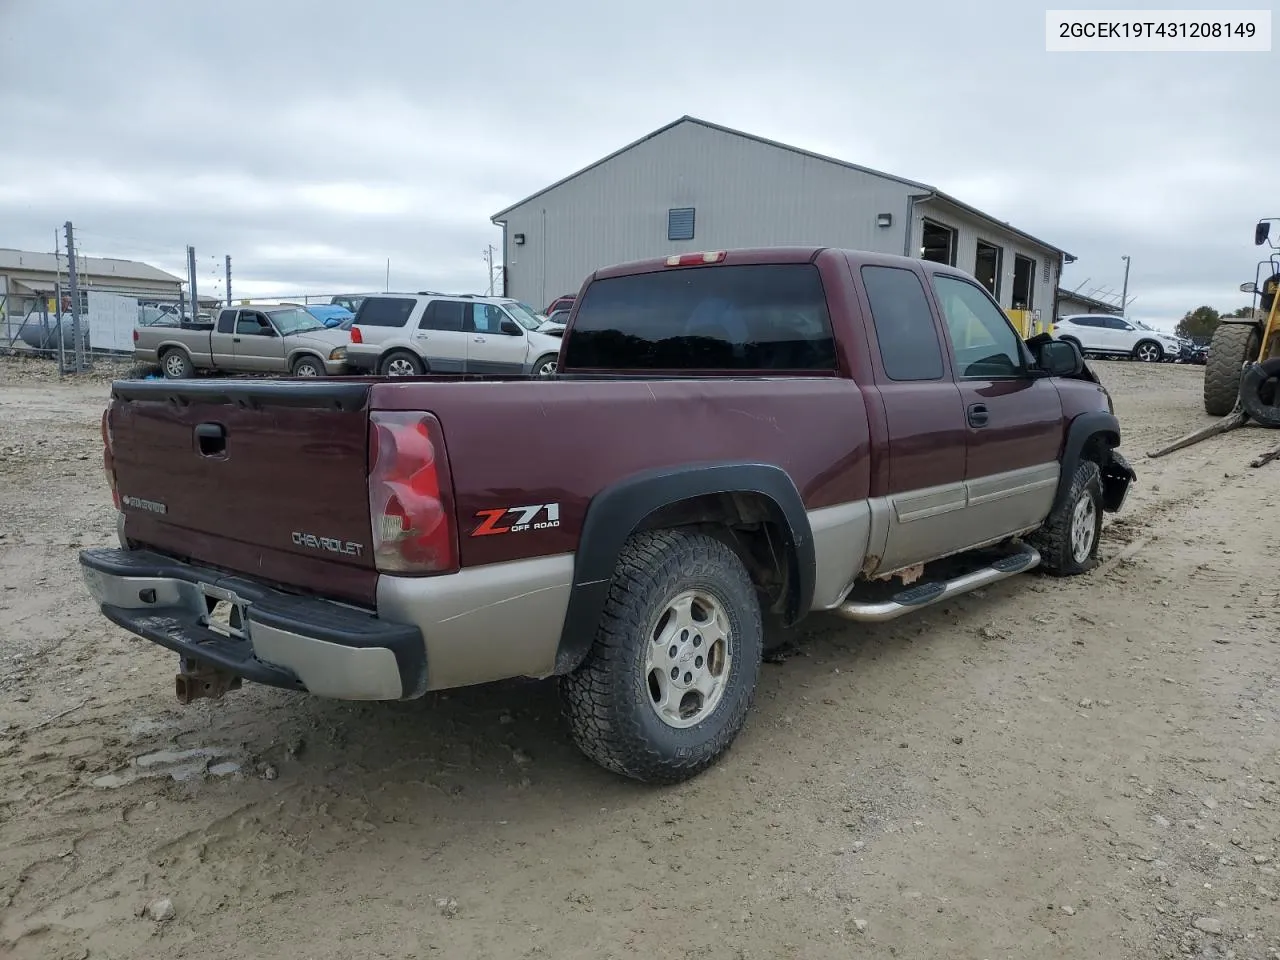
x: 308, y: 367
x: 545, y: 366
x: 1148, y: 351
x: 668, y: 682
x: 1068, y: 541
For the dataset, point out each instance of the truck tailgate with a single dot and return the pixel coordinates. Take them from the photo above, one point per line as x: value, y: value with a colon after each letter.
x: 262, y: 477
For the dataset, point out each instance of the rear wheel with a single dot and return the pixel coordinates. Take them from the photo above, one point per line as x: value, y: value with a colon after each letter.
x: 1148, y: 351
x: 176, y: 365
x: 1068, y: 541
x: 1233, y: 345
x: 673, y: 669
x: 401, y: 363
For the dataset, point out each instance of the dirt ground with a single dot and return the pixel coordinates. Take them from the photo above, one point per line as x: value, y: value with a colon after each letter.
x: 1074, y: 769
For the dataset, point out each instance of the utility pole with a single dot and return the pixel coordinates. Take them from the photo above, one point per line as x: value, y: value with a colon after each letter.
x: 191, y: 279
x: 1124, y: 293
x: 387, y: 287
x: 228, y: 280
x: 488, y: 258
x: 76, y: 352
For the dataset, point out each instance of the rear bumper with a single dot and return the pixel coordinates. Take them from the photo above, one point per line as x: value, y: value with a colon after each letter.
x: 362, y: 361
x: 281, y: 640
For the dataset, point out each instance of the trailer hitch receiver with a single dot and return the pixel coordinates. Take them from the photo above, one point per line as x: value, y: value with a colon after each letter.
x: 198, y: 680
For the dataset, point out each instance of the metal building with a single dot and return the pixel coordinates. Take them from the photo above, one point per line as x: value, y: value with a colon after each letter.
x: 694, y: 185
x: 1071, y: 303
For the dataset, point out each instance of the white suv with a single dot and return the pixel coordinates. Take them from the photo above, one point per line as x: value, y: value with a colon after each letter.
x: 410, y: 334
x: 1104, y: 335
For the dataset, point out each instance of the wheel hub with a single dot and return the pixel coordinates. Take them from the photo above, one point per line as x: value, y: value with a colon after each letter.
x: 687, y: 659
x: 1083, y: 522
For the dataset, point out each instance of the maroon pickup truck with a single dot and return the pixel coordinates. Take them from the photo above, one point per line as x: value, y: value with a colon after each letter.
x: 732, y: 440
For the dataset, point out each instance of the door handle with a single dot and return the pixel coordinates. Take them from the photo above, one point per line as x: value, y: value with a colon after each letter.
x: 480, y: 340
x: 235, y: 339
x: 211, y: 439
x: 977, y: 414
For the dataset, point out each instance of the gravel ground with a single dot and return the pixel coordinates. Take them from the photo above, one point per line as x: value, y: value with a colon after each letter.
x: 1067, y: 769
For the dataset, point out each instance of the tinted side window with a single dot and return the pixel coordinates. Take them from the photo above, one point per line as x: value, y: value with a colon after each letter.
x: 908, y: 339
x: 444, y: 315
x: 226, y: 321
x: 983, y: 342
x: 384, y: 312
x: 746, y: 317
x: 250, y: 325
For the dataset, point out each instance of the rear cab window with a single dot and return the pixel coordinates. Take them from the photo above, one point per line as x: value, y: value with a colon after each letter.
x: 737, y: 317
x: 384, y: 312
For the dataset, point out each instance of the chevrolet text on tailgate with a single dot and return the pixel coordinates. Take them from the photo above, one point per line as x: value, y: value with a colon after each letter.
x: 730, y: 440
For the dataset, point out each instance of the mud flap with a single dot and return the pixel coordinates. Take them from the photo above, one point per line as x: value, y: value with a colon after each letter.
x: 1117, y: 477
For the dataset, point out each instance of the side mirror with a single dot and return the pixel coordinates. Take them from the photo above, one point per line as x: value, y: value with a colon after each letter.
x: 1059, y: 358
x: 1261, y: 232
x: 1249, y: 287
x: 511, y: 328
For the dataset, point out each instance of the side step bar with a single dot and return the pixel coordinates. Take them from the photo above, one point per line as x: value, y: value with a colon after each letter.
x: 926, y: 594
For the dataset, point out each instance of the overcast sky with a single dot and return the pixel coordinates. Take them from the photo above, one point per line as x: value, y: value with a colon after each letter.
x: 314, y: 140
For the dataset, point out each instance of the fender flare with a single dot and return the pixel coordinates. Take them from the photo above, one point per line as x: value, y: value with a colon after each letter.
x: 615, y: 513
x: 1083, y: 428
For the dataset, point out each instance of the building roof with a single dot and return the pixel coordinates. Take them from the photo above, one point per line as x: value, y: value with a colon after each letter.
x: 1064, y: 294
x: 926, y: 191
x: 29, y: 262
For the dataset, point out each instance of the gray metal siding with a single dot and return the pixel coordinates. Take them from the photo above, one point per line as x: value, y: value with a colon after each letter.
x: 745, y: 193
x: 970, y: 231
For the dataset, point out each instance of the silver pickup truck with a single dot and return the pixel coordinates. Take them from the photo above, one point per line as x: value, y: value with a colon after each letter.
x: 249, y: 339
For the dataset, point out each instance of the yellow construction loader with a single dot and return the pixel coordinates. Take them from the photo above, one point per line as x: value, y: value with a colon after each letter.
x: 1242, y: 376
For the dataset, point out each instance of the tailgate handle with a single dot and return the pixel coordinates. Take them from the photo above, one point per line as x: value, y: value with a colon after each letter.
x: 211, y: 439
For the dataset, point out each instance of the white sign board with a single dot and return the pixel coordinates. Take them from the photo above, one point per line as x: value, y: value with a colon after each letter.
x: 111, y: 321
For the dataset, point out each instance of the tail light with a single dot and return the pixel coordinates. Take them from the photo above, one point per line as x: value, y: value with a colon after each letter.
x: 356, y: 335
x: 135, y: 335
x: 410, y: 494
x: 108, y: 456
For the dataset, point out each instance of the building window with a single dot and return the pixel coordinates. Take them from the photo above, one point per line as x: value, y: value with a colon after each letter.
x: 1024, y: 281
x: 680, y: 223
x: 937, y: 243
x: 988, y: 264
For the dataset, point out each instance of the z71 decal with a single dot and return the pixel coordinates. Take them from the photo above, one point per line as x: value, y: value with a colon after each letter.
x: 539, y: 516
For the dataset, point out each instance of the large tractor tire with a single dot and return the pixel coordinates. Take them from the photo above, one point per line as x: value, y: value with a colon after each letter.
x: 1232, y: 346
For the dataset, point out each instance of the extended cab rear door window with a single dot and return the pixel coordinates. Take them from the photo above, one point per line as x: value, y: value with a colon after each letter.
x: 983, y: 342
x: 384, y: 312
x: 739, y: 317
x: 905, y: 330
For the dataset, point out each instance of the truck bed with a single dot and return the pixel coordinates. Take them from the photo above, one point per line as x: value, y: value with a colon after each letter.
x: 295, y: 459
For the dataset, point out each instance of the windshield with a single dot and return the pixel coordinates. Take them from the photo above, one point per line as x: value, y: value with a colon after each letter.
x: 522, y: 315
x: 289, y: 322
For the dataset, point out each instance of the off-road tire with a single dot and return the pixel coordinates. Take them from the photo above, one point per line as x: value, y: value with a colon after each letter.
x: 1232, y: 345
x: 311, y: 362
x: 607, y: 702
x: 384, y: 365
x: 176, y: 364
x: 1057, y: 538
x: 1145, y: 355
